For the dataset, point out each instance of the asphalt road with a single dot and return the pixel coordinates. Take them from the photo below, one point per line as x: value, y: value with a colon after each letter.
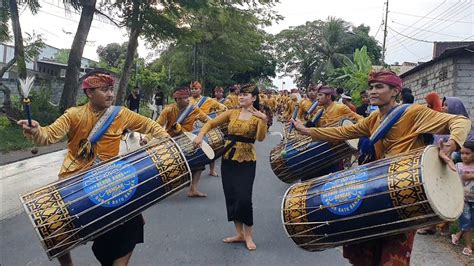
x: 181, y: 230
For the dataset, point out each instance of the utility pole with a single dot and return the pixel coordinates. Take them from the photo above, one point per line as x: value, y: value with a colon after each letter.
x: 385, y: 32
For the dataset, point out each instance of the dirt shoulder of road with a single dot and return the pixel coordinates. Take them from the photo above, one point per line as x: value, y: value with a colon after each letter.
x: 14, y: 156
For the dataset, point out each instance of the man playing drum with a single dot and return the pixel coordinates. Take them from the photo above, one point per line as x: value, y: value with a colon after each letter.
x: 169, y: 119
x: 330, y: 113
x: 304, y: 113
x: 207, y: 105
x: 232, y: 101
x: 403, y: 136
x: 79, y: 124
x: 219, y: 94
x: 333, y: 112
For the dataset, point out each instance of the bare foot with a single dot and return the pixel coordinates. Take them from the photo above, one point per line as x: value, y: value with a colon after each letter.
x: 213, y: 173
x: 196, y: 194
x: 250, y: 244
x: 233, y: 239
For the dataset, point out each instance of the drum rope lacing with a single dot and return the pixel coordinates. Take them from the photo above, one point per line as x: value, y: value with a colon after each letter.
x: 109, y: 185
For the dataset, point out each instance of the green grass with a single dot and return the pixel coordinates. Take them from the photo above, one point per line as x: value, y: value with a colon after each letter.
x: 13, y: 139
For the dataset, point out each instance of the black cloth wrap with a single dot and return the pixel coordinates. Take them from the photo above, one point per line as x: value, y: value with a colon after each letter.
x: 119, y: 241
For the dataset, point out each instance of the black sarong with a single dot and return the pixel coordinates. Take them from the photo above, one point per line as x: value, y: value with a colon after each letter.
x: 237, y: 181
x: 119, y: 241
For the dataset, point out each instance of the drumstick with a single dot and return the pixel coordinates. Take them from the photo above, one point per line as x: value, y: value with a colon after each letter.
x: 33, y: 150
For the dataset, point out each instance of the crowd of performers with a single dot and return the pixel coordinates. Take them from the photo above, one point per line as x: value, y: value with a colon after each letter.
x: 245, y: 115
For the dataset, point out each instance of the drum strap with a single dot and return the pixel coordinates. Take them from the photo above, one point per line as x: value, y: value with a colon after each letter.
x: 184, y: 114
x: 294, y: 115
x: 201, y: 101
x: 387, y: 122
x: 315, y: 120
x: 312, y: 107
x: 86, y: 145
x: 367, y: 147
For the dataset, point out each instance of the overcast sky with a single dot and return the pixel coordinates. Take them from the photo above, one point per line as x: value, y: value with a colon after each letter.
x: 426, y: 20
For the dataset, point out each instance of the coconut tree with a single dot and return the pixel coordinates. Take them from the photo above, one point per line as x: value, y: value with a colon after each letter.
x: 331, y: 46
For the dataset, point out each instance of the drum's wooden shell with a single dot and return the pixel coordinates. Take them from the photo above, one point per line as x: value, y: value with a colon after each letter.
x: 381, y: 198
x: 197, y: 158
x: 72, y: 211
x: 299, y: 157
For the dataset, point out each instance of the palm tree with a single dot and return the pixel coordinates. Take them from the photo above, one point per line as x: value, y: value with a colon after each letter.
x: 330, y: 48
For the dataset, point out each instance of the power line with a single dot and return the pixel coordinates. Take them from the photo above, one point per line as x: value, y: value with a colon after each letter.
x: 452, y: 13
x: 404, y: 46
x: 468, y: 37
x: 428, y: 23
x: 431, y: 11
x: 443, y: 29
x: 380, y: 26
x: 440, y: 19
x: 434, y: 32
x: 97, y: 16
x: 409, y: 37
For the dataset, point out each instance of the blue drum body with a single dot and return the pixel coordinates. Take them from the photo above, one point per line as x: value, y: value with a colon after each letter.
x: 72, y: 211
x: 302, y: 158
x: 385, y: 197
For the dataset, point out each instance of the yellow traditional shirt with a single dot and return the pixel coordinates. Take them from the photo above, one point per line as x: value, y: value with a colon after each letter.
x: 272, y: 103
x: 304, y: 107
x: 232, y: 101
x: 77, y: 123
x: 210, y: 105
x: 170, y: 114
x: 254, y: 128
x: 289, y: 108
x: 405, y: 134
x: 221, y: 101
x: 334, y: 113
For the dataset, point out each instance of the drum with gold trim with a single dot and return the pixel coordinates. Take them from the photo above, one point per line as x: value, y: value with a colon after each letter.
x: 215, y: 137
x: 72, y: 211
x: 299, y: 157
x: 385, y: 197
x: 199, y: 157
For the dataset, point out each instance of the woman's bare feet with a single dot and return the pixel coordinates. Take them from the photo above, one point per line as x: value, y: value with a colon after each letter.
x: 250, y: 244
x: 213, y: 173
x: 234, y: 239
x: 196, y: 194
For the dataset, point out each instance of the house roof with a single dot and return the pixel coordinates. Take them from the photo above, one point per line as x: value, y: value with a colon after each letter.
x: 51, y: 63
x: 446, y: 54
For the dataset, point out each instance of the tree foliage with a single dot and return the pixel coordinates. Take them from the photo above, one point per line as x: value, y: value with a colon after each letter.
x: 62, y: 56
x: 225, y: 45
x: 310, y: 52
x: 353, y: 76
x: 112, y: 54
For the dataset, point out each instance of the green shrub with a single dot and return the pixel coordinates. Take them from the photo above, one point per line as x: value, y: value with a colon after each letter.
x: 13, y: 139
x: 41, y: 108
x: 4, y: 122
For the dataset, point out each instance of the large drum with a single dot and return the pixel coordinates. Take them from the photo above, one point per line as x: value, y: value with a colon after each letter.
x: 72, y: 211
x: 385, y: 197
x: 299, y: 157
x: 215, y: 137
x: 197, y: 158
